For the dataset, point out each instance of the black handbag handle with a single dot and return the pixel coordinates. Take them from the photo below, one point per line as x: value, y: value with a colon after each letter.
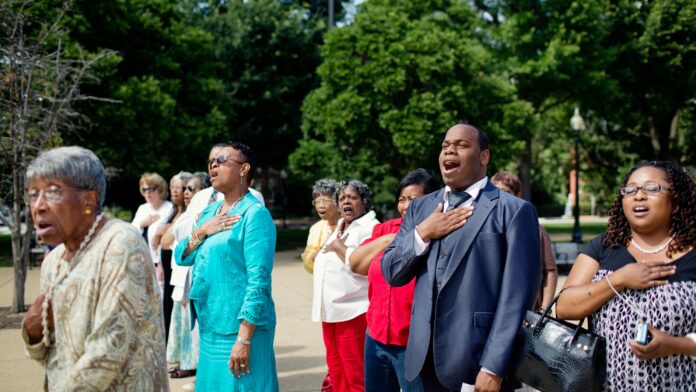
x: 540, y: 324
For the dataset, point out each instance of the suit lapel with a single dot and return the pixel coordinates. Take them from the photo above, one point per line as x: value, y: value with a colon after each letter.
x: 464, y: 237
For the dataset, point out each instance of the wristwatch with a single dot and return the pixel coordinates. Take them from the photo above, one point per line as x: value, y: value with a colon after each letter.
x: 243, y: 341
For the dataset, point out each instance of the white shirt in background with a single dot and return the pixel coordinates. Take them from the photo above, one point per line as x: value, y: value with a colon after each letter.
x: 144, y: 212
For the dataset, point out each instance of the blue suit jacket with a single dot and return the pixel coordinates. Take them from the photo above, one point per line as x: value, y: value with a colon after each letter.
x: 492, y: 278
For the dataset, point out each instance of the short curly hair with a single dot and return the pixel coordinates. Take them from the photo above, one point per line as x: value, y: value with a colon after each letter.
x: 324, y: 187
x: 362, y: 188
x: 683, y: 222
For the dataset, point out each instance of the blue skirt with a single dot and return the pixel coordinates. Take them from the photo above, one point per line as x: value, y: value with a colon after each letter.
x: 214, y: 374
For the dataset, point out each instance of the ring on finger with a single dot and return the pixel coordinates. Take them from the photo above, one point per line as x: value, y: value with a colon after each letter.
x: 242, y: 365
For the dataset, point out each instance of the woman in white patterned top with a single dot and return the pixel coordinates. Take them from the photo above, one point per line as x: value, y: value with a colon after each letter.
x: 640, y: 276
x: 97, y: 324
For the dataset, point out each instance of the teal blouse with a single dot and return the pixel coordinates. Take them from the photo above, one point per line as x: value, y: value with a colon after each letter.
x: 231, y: 278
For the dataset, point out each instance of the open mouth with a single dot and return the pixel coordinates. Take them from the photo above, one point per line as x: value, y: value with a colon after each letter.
x: 347, y: 210
x: 450, y: 165
x: 42, y: 228
x: 640, y: 210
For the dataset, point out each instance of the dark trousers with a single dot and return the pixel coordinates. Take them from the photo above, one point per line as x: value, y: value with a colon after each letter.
x: 167, y: 302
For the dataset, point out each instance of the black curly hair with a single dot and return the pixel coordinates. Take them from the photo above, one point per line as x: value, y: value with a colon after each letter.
x: 683, y: 222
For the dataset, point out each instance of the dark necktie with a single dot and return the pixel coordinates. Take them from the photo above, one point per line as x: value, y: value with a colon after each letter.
x: 455, y: 199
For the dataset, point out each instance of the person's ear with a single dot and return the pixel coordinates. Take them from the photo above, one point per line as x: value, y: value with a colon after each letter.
x: 90, y: 202
x: 245, y: 169
x: 485, y: 156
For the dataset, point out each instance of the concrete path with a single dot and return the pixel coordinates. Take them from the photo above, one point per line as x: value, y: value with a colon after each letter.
x: 298, y: 341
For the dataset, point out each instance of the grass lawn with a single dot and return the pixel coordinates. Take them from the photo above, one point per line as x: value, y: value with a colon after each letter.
x: 289, y: 239
x: 563, y: 232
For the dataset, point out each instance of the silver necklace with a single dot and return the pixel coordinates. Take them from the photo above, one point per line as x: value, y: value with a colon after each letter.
x: 651, y: 251
x: 60, y: 276
x: 229, y: 209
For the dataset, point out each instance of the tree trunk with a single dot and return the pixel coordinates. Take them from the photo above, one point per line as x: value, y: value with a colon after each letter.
x: 663, y: 130
x: 524, y: 168
x: 19, y: 247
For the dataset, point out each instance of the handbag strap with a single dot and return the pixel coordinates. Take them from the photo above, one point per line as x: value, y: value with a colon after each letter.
x: 546, y: 314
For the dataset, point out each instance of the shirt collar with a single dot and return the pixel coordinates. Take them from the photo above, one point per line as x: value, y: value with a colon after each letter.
x: 363, y: 220
x: 473, y: 190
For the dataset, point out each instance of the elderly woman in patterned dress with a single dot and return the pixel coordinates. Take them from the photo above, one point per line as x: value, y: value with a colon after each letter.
x: 642, y: 273
x: 97, y: 324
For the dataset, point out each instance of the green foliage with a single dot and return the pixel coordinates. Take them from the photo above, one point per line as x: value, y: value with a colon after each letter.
x: 392, y: 83
x: 188, y: 75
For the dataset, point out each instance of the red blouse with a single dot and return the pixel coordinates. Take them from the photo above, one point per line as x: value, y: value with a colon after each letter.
x: 389, y: 313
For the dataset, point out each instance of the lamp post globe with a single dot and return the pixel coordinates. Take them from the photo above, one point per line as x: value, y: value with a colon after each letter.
x: 577, y: 123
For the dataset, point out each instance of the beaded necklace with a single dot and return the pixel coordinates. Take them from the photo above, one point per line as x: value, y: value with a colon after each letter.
x: 651, y: 251
x: 60, y: 276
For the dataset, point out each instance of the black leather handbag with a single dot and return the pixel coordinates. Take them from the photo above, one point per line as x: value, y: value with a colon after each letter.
x: 555, y: 355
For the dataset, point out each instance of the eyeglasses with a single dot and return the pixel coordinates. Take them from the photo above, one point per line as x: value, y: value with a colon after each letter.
x: 52, y: 194
x: 649, y: 188
x: 222, y: 159
x: 148, y: 189
x: 322, y: 201
x: 191, y: 189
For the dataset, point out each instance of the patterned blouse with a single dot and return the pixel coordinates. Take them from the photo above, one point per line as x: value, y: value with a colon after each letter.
x: 670, y: 308
x: 108, y: 332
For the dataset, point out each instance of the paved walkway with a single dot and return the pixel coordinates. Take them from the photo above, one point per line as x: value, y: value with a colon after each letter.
x: 298, y: 342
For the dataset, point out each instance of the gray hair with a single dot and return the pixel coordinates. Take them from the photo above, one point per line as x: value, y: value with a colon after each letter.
x: 325, y: 186
x: 182, y: 175
x: 203, y: 179
x: 75, y: 165
x: 362, y: 188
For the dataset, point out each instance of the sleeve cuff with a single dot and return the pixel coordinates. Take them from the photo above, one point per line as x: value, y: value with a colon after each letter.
x: 483, y: 369
x: 419, y: 245
x: 34, y: 351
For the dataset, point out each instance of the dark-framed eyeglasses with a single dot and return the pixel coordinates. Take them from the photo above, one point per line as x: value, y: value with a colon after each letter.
x: 222, y: 159
x: 52, y: 194
x: 191, y: 188
x: 148, y: 189
x: 649, y: 188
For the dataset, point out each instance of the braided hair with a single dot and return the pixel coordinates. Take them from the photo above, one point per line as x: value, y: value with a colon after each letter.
x: 683, y: 220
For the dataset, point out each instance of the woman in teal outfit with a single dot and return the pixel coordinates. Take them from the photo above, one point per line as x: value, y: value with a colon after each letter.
x: 232, y: 251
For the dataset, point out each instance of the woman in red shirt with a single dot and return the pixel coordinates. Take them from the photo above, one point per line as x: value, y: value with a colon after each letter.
x: 389, y: 313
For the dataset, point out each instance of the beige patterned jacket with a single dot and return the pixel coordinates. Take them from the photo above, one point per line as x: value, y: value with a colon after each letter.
x: 109, y: 333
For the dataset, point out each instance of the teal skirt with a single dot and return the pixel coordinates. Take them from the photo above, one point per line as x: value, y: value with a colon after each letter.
x: 214, y: 374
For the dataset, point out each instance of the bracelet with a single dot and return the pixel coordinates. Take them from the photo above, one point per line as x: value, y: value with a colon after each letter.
x: 195, y: 239
x: 243, y: 341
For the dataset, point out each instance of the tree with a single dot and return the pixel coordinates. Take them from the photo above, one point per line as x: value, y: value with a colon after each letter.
x: 392, y: 83
x: 207, y: 72
x: 39, y: 83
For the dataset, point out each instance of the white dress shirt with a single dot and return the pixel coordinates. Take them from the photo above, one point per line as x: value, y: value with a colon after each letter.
x: 339, y: 294
x: 474, y: 190
x: 144, y: 211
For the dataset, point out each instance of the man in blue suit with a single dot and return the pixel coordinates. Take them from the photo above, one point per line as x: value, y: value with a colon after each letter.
x: 475, y: 277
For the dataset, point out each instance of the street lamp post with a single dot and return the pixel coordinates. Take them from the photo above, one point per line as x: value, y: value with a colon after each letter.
x: 578, y: 124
